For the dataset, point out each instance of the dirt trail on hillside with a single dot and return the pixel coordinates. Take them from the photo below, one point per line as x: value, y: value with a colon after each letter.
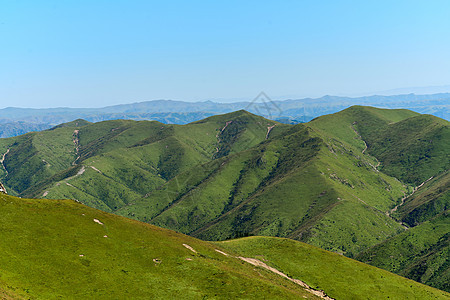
x: 258, y: 263
x: 190, y: 248
x: 76, y: 141
x: 269, y: 129
x: 407, y: 196
x: 80, y: 172
x: 2, y: 160
x: 365, y: 147
x: 217, y: 135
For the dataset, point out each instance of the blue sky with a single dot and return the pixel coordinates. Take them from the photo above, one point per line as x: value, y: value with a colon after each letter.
x: 97, y: 53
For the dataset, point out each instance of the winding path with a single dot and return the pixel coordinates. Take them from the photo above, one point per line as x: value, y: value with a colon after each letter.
x: 2, y: 160
x: 407, y: 196
x: 76, y: 141
x: 365, y: 147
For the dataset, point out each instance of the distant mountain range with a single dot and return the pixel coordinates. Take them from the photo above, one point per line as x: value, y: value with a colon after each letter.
x: 16, y: 121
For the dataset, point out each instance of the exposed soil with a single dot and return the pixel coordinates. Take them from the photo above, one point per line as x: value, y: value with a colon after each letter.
x: 76, y: 141
x: 95, y: 169
x: 406, y: 196
x: 98, y: 221
x: 269, y: 129
x: 258, y: 263
x: 2, y: 160
x: 190, y: 248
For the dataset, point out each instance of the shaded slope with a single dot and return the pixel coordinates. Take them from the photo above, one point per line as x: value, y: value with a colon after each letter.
x: 86, y: 253
x: 408, y: 146
x: 422, y: 253
x: 414, y: 149
x: 428, y: 201
x: 341, y: 277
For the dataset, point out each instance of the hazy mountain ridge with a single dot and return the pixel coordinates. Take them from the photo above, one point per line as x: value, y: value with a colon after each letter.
x: 180, y: 112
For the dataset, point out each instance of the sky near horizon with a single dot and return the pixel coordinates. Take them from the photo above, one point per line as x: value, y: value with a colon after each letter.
x: 98, y: 53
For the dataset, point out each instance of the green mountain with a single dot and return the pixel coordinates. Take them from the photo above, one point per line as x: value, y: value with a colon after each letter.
x: 409, y: 146
x: 54, y: 249
x: 303, y: 184
x: 121, y: 160
x: 348, y: 182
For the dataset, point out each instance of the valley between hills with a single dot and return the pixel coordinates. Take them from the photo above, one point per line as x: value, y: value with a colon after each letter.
x: 231, y: 206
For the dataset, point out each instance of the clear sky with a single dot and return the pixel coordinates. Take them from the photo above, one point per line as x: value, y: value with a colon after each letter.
x: 103, y: 52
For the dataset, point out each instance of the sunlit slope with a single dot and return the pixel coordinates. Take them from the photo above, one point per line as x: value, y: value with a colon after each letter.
x: 109, y: 164
x: 60, y: 249
x: 347, y: 124
x: 339, y: 276
x: 297, y: 185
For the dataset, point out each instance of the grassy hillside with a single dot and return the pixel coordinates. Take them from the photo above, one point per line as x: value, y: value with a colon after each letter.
x: 58, y: 249
x: 61, y: 249
x: 119, y: 161
x: 296, y: 185
x: 422, y: 253
x: 425, y: 203
x: 341, y: 277
x: 350, y: 124
x: 414, y: 149
x: 409, y: 146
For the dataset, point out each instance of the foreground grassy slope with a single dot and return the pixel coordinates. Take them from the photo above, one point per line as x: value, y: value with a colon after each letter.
x: 57, y: 249
x: 61, y: 249
x: 341, y: 277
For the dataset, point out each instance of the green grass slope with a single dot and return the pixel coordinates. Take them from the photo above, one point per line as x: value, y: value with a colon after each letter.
x: 30, y: 158
x: 54, y: 249
x: 421, y: 253
x: 339, y: 276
